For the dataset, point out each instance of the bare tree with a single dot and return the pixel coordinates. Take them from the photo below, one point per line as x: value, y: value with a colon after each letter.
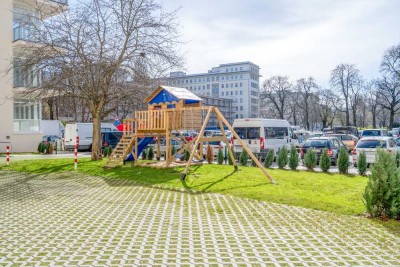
x: 90, y: 51
x: 389, y: 96
x: 304, y: 92
x: 372, y: 100
x: 277, y: 90
x: 390, y: 64
x: 326, y: 109
x: 345, y: 78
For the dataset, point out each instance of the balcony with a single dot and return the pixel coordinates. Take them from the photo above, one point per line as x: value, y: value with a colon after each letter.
x: 25, y: 33
x: 47, y: 8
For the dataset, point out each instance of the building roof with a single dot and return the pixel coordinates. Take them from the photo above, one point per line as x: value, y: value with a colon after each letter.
x: 168, y: 94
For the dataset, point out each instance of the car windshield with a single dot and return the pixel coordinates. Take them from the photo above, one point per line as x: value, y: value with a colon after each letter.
x: 371, y: 144
x: 316, y: 143
x: 371, y: 133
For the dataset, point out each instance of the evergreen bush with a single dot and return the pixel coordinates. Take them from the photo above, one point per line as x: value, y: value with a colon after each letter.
x: 144, y: 153
x: 253, y: 163
x: 362, y: 163
x: 173, y: 151
x: 243, y: 158
x: 398, y: 159
x: 210, y: 154
x: 186, y: 155
x: 343, y: 160
x: 310, y: 159
x: 269, y: 158
x: 41, y: 147
x: 220, y: 157
x: 282, y: 158
x: 382, y: 193
x: 325, y: 161
x: 150, y: 153
x: 293, y: 158
x: 107, y: 151
x: 50, y: 148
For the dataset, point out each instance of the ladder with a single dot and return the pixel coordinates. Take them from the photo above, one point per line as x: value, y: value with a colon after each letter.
x: 121, y: 151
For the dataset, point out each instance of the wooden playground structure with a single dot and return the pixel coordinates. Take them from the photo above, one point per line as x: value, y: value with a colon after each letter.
x: 170, y: 111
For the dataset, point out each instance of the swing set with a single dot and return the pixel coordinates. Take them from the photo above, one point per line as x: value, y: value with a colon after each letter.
x: 171, y: 110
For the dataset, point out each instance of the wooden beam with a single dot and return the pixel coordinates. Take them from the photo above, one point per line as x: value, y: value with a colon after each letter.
x: 210, y: 109
x: 212, y: 139
x: 245, y: 147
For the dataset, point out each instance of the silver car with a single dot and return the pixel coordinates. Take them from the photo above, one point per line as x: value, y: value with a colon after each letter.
x: 370, y: 146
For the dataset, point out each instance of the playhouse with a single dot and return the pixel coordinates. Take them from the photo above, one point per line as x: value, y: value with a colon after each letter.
x: 170, y: 111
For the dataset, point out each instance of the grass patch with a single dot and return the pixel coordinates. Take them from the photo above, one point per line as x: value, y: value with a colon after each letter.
x: 330, y: 192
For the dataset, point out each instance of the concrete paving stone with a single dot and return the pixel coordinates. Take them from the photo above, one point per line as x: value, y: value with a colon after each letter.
x: 76, y: 219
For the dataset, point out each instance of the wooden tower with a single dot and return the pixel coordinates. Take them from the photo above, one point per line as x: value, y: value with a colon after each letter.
x: 170, y: 111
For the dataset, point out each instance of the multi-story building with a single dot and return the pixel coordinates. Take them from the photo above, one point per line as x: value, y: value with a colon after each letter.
x: 237, y: 81
x: 20, y: 114
x: 225, y: 105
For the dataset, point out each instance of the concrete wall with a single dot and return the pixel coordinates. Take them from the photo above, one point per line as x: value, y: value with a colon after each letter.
x: 6, y: 52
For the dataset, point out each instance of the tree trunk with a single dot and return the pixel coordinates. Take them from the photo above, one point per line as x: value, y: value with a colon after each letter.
x: 374, y: 118
x: 347, y: 113
x: 96, y: 143
x: 391, y: 119
x: 354, y: 117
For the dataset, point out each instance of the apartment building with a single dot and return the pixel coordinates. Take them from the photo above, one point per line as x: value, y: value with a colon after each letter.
x: 20, y: 115
x: 237, y: 81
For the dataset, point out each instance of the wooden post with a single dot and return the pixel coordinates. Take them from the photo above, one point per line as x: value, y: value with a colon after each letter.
x: 230, y: 152
x: 258, y: 163
x: 210, y: 109
x: 159, y: 147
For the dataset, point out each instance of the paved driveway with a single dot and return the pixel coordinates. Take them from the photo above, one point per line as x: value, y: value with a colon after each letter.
x: 75, y: 220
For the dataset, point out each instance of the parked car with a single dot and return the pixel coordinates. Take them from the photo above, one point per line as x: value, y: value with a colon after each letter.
x: 370, y: 146
x: 396, y: 132
x: 261, y: 135
x: 374, y: 133
x: 55, y: 140
x: 331, y: 143
x: 110, y: 139
x: 345, y: 130
x: 349, y: 140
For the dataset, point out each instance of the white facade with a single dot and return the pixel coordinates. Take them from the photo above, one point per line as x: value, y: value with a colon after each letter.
x: 20, y: 115
x: 237, y: 81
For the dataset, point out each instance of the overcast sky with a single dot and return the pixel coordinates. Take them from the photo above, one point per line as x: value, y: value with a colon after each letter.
x: 298, y: 38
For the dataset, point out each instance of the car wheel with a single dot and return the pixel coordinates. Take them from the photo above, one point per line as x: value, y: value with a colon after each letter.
x: 334, y: 163
x: 90, y: 148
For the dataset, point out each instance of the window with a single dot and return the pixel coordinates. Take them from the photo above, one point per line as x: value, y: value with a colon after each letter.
x: 217, y: 78
x: 236, y: 69
x: 241, y: 68
x: 236, y: 84
x: 222, y: 85
x: 231, y: 85
x: 241, y: 108
x: 241, y: 92
x: 241, y: 100
x: 254, y: 101
x: 226, y: 85
x: 231, y: 92
x: 222, y: 93
x: 241, y: 84
x: 204, y: 87
x: 226, y: 69
x: 208, y: 86
x: 241, y: 76
x: 222, y: 78
x: 190, y: 81
x: 208, y: 79
x: 236, y: 92
x: 212, y: 79
x: 276, y: 132
x: 231, y: 69
x: 248, y: 132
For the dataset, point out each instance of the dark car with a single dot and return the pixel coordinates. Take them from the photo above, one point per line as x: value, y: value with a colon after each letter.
x: 110, y: 139
x: 318, y: 144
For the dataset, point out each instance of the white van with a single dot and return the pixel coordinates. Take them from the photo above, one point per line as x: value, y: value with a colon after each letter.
x: 261, y: 135
x: 85, y: 133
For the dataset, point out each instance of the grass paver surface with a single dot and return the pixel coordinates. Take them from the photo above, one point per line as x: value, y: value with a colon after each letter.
x: 76, y: 219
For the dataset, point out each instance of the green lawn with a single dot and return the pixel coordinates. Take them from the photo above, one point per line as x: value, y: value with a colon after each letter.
x: 331, y: 192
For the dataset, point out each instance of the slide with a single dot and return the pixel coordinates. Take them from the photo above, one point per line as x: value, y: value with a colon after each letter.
x: 141, y: 145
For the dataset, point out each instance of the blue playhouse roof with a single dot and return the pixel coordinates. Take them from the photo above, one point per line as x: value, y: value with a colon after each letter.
x: 167, y: 94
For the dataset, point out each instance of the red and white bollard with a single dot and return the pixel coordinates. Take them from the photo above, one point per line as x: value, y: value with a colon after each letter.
x: 8, y: 156
x: 76, y: 157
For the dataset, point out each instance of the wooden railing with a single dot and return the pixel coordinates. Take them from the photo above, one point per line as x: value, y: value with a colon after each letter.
x: 173, y: 119
x: 129, y: 126
x: 151, y: 120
